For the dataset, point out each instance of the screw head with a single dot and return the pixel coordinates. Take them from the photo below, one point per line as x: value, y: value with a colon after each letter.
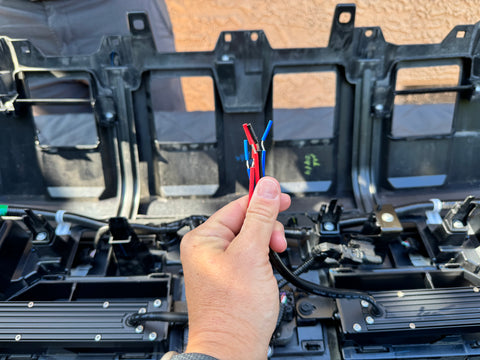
x: 369, y: 320
x: 157, y: 303
x: 329, y: 226
x: 152, y: 336
x: 387, y: 217
x: 476, y: 289
x: 225, y: 57
x: 139, y: 329
x: 411, y: 325
x: 98, y: 337
x: 106, y: 304
x: 18, y: 337
x: 457, y: 224
x: 142, y: 311
x: 108, y: 115
x: 364, y: 303
x: 379, y: 107
x: 357, y: 327
x: 400, y: 294
x: 30, y: 304
x: 41, y: 236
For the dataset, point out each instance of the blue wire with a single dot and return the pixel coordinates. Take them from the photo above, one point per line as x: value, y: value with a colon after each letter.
x: 245, y: 150
x: 267, y: 130
x: 263, y: 162
x: 264, y: 137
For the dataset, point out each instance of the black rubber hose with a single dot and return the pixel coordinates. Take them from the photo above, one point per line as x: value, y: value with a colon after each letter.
x: 175, y: 317
x: 319, y: 290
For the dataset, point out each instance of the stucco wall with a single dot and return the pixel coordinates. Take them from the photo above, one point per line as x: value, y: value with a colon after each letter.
x: 306, y: 23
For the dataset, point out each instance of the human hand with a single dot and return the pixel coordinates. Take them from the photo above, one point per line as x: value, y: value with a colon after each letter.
x: 232, y: 295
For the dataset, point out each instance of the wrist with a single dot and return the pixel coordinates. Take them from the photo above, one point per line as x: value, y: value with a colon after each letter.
x: 226, y: 346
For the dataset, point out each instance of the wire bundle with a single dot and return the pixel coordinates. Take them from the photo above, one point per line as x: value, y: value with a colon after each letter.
x: 255, y: 167
x: 256, y: 170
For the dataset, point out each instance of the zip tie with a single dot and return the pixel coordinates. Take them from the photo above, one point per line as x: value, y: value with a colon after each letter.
x: 433, y: 216
x: 437, y: 205
x: 59, y: 216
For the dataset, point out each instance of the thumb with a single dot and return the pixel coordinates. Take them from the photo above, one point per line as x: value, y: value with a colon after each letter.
x: 261, y: 215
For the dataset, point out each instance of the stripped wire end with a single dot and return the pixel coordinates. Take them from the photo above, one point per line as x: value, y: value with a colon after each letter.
x: 247, y: 161
x: 256, y: 169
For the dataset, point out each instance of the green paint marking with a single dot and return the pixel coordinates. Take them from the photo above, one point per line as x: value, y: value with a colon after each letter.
x: 3, y: 210
x: 311, y: 161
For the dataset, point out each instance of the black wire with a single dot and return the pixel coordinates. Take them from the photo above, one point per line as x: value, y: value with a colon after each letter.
x: 319, y: 290
x: 176, y: 317
x: 406, y: 209
x: 67, y: 217
x: 86, y: 221
x: 400, y: 210
x: 352, y: 222
x: 164, y: 228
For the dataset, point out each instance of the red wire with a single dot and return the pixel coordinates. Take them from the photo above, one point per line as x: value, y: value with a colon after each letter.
x: 251, y: 182
x: 257, y: 167
x: 248, y: 134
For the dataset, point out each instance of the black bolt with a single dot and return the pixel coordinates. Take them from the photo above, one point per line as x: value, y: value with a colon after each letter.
x: 306, y: 308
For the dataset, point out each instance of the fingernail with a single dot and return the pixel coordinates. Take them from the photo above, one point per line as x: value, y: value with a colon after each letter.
x: 267, y: 189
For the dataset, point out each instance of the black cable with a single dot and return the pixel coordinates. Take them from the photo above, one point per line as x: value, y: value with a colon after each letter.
x: 406, y: 209
x: 352, y: 222
x: 319, y: 290
x: 164, y: 228
x: 400, y: 210
x: 67, y: 217
x: 86, y: 221
x: 176, y: 317
x: 303, y: 268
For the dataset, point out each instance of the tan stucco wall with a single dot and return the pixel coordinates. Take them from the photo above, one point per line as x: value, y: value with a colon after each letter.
x: 306, y: 23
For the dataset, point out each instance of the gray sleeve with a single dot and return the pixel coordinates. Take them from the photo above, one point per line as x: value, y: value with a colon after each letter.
x: 193, y: 356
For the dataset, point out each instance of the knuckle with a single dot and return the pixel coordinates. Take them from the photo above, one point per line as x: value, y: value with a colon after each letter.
x: 279, y: 226
x: 262, y: 211
x: 186, y: 242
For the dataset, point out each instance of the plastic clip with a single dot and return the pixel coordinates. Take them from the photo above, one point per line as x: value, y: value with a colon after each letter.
x: 433, y: 216
x: 63, y: 228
